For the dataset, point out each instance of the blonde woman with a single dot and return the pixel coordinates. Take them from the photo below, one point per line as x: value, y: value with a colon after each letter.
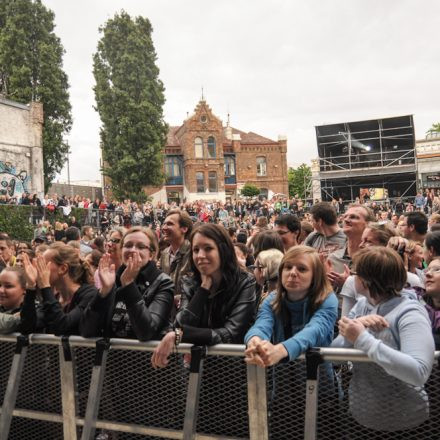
x: 266, y: 271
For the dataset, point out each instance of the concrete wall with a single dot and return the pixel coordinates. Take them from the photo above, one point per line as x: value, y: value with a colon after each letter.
x: 21, y: 148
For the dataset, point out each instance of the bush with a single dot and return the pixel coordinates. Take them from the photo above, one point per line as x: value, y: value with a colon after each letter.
x: 250, y: 190
x: 16, y: 222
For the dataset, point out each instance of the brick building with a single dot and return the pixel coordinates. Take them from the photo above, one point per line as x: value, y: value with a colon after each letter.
x: 206, y: 161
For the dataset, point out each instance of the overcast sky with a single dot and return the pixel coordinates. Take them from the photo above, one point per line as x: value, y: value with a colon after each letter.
x: 278, y: 67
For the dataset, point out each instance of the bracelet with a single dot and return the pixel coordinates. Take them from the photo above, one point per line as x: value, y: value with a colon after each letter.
x: 178, y: 332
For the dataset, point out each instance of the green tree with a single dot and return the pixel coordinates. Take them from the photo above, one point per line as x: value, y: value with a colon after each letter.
x: 299, y: 180
x: 130, y: 98
x: 31, y: 69
x: 250, y: 190
x: 435, y: 128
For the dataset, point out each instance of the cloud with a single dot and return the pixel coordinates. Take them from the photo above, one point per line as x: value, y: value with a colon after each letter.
x: 279, y: 67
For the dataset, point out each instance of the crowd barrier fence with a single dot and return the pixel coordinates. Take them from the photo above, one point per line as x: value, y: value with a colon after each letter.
x: 75, y: 388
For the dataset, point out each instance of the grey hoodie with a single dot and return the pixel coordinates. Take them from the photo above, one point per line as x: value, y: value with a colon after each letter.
x: 387, y: 394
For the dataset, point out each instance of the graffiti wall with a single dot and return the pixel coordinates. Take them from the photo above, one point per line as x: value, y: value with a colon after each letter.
x: 13, y: 182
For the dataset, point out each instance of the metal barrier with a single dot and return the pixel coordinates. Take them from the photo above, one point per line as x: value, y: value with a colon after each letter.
x: 74, y: 388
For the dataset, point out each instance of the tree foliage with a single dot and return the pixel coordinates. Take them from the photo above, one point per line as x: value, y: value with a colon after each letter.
x: 435, y: 128
x: 250, y: 190
x: 129, y: 99
x: 31, y: 69
x: 299, y: 181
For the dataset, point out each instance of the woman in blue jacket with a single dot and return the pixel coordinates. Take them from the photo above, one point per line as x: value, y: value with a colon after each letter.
x: 300, y: 314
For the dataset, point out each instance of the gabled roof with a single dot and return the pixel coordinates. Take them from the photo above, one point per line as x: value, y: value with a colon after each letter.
x: 252, y: 138
x: 171, y: 137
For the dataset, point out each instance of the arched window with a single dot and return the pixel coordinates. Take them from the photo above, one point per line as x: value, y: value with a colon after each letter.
x: 261, y: 166
x: 200, y: 180
x: 211, y: 147
x: 198, y: 147
x: 212, y: 181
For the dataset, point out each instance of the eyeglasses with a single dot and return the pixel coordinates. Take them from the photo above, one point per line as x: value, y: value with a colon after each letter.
x: 432, y: 270
x: 115, y: 240
x: 138, y: 246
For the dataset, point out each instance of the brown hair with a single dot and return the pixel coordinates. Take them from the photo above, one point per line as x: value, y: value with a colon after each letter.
x: 369, y: 214
x: 154, y: 245
x: 382, y: 231
x: 320, y: 287
x: 382, y: 270
x: 79, y: 270
x: 20, y: 274
x: 185, y: 220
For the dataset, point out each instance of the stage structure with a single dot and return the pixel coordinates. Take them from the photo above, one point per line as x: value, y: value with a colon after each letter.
x: 376, y: 157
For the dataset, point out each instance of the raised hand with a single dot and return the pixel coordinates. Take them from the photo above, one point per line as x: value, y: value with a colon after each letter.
x: 30, y: 271
x: 43, y: 272
x: 132, y: 269
x: 107, y: 275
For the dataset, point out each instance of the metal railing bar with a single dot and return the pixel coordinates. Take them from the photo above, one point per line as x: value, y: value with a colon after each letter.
x: 257, y: 403
x: 68, y: 389
x: 193, y: 392
x: 95, y: 389
x: 13, y: 385
x: 216, y: 437
x: 136, y: 429
x: 37, y: 415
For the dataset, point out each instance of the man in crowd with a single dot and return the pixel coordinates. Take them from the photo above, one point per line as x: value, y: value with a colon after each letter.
x: 175, y: 229
x: 87, y: 234
x: 356, y: 220
x: 288, y: 227
x: 415, y: 226
x: 73, y: 234
x: 328, y: 236
x: 7, y: 257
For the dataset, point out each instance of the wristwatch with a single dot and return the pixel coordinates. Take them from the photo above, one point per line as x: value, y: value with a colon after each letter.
x: 179, y: 333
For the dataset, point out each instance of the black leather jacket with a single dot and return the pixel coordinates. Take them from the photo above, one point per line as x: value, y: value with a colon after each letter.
x: 140, y: 310
x: 225, y: 317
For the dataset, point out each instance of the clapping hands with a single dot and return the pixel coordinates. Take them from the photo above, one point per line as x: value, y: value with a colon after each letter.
x: 36, y: 272
x: 107, y: 275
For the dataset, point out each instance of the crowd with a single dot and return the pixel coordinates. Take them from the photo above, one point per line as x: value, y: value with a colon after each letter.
x: 267, y: 274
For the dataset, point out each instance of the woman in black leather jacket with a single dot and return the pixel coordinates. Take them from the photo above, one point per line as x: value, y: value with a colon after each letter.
x: 218, y: 298
x: 136, y: 300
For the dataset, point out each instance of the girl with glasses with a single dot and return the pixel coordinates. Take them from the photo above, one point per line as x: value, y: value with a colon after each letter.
x: 135, y: 300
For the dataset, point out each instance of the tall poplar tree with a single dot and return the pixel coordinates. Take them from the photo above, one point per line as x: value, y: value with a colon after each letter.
x: 130, y: 98
x: 31, y: 69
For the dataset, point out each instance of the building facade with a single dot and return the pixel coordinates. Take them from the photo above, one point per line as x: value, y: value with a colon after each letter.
x: 428, y: 161
x: 21, y: 148
x: 206, y: 161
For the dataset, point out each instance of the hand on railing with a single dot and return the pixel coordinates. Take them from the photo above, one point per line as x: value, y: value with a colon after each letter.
x: 160, y: 356
x: 264, y: 353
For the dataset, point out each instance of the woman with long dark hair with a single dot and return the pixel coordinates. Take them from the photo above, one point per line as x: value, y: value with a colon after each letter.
x: 218, y: 297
